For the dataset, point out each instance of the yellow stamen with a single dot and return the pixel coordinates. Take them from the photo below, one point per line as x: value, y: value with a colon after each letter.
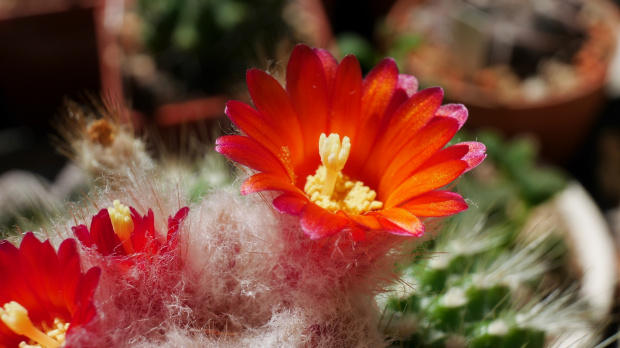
x: 334, y: 156
x: 122, y: 224
x: 15, y: 317
x: 330, y: 188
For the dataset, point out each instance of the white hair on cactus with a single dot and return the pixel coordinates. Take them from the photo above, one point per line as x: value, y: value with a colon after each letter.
x: 260, y: 281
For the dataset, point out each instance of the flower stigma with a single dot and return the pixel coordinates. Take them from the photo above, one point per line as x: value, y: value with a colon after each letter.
x: 15, y: 317
x: 122, y: 224
x: 330, y: 188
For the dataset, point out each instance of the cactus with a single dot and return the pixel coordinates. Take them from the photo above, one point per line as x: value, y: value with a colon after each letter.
x: 496, y: 275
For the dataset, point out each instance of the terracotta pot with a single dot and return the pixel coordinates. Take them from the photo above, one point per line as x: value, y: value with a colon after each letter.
x: 561, y: 126
x: 560, y: 121
x: 53, y: 50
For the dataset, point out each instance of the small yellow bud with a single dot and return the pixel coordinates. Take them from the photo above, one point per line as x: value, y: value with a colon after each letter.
x: 122, y: 223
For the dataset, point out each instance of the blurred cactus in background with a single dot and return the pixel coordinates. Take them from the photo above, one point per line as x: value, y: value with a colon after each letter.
x: 499, y: 274
x: 208, y: 45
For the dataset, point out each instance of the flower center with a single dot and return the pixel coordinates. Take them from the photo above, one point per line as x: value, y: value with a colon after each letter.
x: 15, y: 317
x: 330, y: 188
x: 122, y: 224
x: 102, y: 132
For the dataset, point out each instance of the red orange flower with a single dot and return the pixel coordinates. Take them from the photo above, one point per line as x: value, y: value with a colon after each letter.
x: 43, y: 294
x: 122, y: 231
x: 387, y: 172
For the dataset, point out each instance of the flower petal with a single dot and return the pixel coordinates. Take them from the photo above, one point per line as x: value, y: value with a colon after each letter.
x: 175, y: 222
x: 346, y: 98
x: 456, y: 111
x: 420, y: 147
x: 69, y: 261
x: 9, y: 338
x: 475, y: 155
x: 103, y: 235
x: 436, y: 203
x: 319, y: 223
x: 454, y: 152
x: 246, y: 151
x: 143, y: 237
x: 291, y: 204
x: 278, y: 113
x: 425, y: 180
x: 82, y: 234
x: 377, y: 90
x: 84, y: 294
x: 400, y: 221
x: 268, y: 182
x: 330, y: 65
x: 264, y: 132
x: 13, y: 286
x: 41, y: 270
x: 307, y: 88
x: 253, y: 124
x: 402, y: 127
x: 369, y: 221
x: 407, y: 86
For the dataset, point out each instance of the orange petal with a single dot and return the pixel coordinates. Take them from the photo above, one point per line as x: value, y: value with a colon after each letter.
x: 475, y: 155
x: 426, y: 180
x: 456, y: 111
x: 268, y: 182
x: 319, y: 223
x: 273, y: 103
x: 377, y: 91
x: 402, y: 127
x: 407, y: 84
x: 291, y: 204
x: 254, y: 124
x: 369, y: 221
x: 420, y: 147
x: 248, y: 152
x: 400, y: 221
x: 436, y: 203
x: 346, y: 98
x: 330, y: 65
x: 471, y: 152
x: 450, y: 153
x: 406, y: 87
x: 378, y: 88
x: 306, y: 86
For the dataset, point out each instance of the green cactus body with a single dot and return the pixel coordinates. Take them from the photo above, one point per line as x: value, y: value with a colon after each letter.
x: 481, y: 285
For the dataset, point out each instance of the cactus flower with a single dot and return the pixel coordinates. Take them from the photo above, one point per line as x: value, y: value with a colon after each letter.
x: 122, y: 231
x: 381, y: 161
x: 44, y: 295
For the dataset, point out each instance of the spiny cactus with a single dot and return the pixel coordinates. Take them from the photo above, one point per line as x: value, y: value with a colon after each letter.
x: 496, y: 275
